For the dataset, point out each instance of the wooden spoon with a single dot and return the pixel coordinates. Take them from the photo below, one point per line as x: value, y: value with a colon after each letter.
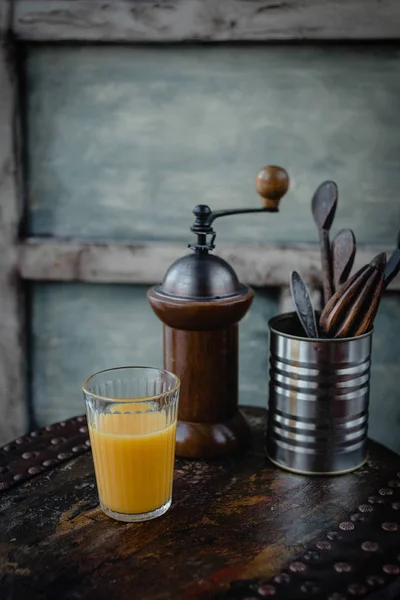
x: 303, y: 305
x: 323, y: 208
x: 352, y: 309
x: 343, y: 254
x: 393, y: 264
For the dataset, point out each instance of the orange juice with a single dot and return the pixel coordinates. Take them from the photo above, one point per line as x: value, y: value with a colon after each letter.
x: 133, y: 458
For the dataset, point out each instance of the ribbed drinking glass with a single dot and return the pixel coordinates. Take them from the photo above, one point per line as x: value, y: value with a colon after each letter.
x: 132, y: 414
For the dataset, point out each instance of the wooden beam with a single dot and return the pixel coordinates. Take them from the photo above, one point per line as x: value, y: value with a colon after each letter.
x: 258, y: 265
x: 205, y: 20
x: 13, y: 408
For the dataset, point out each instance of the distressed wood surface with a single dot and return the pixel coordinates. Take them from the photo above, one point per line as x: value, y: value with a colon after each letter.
x: 261, y: 265
x: 123, y: 141
x: 205, y: 20
x: 12, y: 360
x: 230, y: 520
x: 80, y: 329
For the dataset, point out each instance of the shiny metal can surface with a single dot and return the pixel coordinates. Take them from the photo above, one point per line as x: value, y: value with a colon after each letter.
x: 318, y: 399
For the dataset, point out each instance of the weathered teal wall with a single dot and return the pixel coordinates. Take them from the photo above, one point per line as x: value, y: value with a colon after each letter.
x: 79, y: 329
x: 124, y: 141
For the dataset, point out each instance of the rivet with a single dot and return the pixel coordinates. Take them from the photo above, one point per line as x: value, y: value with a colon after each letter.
x: 87, y: 443
x: 83, y: 429
x: 22, y: 440
x: 81, y: 419
x: 396, y: 505
x: 385, y: 492
x: 375, y: 500
x: 390, y: 526
x: 334, y: 535
x: 365, y: 508
x: 4, y: 485
x: 391, y: 569
x: 358, y: 517
x: 79, y: 448
x: 282, y: 578
x: 394, y: 483
x: 309, y: 587
x: 49, y: 462
x: 64, y: 455
x: 347, y: 526
x: 324, y: 545
x: 57, y: 440
x: 28, y: 455
x: 49, y: 428
x: 297, y: 567
x: 356, y: 589
x: 34, y: 470
x: 370, y: 546
x: 266, y: 590
x: 342, y: 567
x: 311, y: 556
x: 8, y: 448
x: 375, y: 580
x: 18, y: 477
x: 62, y: 423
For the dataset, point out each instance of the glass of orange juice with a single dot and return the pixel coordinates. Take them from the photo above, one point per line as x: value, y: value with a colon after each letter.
x: 132, y: 414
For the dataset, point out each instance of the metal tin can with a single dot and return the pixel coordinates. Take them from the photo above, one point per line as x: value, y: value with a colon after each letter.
x: 318, y: 400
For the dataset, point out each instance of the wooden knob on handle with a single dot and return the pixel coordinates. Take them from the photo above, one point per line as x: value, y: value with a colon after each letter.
x: 271, y: 184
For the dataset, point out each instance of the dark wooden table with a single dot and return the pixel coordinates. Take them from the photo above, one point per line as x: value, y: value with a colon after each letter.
x: 238, y: 528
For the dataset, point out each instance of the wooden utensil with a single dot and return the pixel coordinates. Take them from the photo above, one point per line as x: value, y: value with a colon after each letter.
x: 352, y: 309
x: 303, y: 305
x: 271, y: 184
x: 393, y: 264
x: 343, y: 254
x: 323, y: 208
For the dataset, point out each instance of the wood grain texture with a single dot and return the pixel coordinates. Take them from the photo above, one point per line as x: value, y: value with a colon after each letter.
x: 201, y: 347
x: 80, y: 329
x: 260, y: 265
x: 205, y: 20
x: 352, y: 309
x: 123, y: 142
x: 230, y: 520
x: 12, y: 366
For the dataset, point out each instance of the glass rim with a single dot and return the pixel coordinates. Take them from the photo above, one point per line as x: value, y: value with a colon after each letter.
x: 140, y: 399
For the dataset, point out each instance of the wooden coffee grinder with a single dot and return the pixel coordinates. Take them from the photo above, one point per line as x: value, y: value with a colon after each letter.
x: 201, y: 302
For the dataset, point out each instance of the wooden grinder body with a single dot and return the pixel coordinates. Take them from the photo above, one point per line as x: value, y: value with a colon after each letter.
x: 201, y: 347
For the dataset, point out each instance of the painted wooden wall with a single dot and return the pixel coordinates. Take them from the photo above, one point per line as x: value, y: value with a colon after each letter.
x: 124, y: 141
x: 79, y: 329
